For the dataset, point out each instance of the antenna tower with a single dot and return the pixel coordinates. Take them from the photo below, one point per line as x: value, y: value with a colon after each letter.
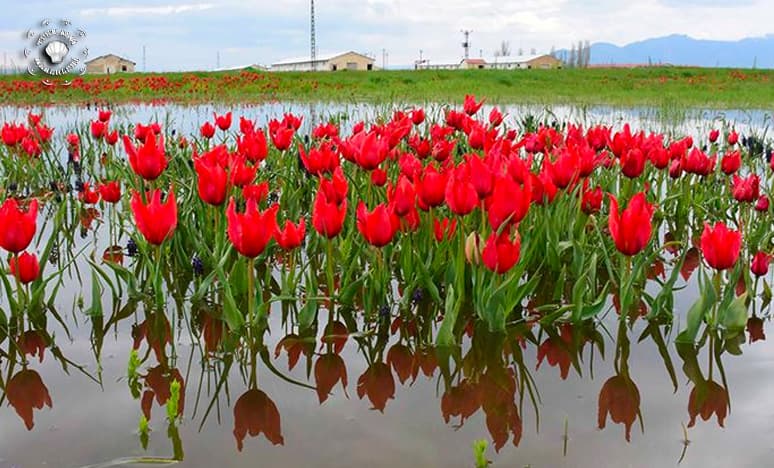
x: 313, y: 54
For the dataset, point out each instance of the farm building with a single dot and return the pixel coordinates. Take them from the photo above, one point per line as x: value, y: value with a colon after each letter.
x: 500, y: 63
x: 328, y: 62
x: 526, y: 61
x: 110, y: 63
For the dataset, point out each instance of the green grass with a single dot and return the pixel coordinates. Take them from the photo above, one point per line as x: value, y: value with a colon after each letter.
x: 656, y: 86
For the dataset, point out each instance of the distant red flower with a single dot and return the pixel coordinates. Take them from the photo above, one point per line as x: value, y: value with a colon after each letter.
x: 733, y: 138
x: 470, y: 106
x: 223, y: 121
x: 207, y: 130
x: 731, y: 162
x: 104, y: 115
x: 98, y: 129
x: 713, y: 135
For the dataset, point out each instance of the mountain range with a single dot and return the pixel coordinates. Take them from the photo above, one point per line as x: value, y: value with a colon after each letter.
x: 679, y: 49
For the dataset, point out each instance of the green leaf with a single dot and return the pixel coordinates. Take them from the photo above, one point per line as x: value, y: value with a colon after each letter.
x: 696, y: 314
x: 446, y: 332
x: 734, y: 317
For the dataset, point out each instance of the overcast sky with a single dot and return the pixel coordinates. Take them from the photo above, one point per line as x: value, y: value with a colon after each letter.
x: 188, y: 34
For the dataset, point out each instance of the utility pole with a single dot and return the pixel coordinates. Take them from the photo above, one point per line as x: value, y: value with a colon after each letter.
x: 466, y: 44
x: 313, y: 39
x: 217, y: 60
x: 143, y: 60
x: 384, y: 59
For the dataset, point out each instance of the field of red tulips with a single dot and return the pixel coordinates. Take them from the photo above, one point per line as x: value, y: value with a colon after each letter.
x: 429, y: 232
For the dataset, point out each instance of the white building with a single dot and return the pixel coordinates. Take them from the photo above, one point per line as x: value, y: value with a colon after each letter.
x: 522, y: 62
x: 326, y: 62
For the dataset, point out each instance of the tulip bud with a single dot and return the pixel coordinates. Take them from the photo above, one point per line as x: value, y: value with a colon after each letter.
x: 760, y: 264
x: 26, y: 266
x: 762, y: 204
x: 473, y: 248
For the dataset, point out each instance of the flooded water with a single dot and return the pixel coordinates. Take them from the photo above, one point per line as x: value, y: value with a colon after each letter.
x: 376, y: 391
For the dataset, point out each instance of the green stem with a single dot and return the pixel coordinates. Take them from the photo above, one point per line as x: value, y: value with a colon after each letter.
x: 250, y: 291
x: 329, y: 261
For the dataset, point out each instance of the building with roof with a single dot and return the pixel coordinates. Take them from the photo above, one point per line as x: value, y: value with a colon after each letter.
x: 352, y: 61
x: 523, y: 62
x: 110, y: 63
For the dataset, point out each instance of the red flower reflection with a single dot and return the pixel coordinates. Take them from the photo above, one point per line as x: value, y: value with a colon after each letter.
x: 619, y: 398
x: 254, y: 413
x: 706, y: 399
x: 26, y: 391
x: 378, y: 384
x: 328, y: 370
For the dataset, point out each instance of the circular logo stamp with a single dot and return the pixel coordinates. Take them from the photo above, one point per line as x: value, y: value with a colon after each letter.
x: 56, y: 50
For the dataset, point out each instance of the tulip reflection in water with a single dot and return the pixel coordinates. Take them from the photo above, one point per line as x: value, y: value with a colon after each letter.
x: 619, y: 397
x: 26, y: 391
x: 707, y: 397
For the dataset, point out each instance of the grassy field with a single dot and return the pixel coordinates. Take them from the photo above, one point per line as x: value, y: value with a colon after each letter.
x: 656, y: 86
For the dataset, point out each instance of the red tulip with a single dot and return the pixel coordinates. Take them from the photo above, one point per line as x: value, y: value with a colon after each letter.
x: 632, y: 163
x: 659, y: 157
x: 697, y: 162
x: 12, y: 133
x: 73, y: 140
x: 378, y: 177
x: 763, y: 203
x: 17, y: 228
x: 461, y: 195
x: 31, y: 147
x: 281, y: 135
x: 207, y: 130
x: 26, y: 391
x: 223, y: 121
x: 45, y: 133
x: 731, y: 162
x: 746, y: 189
x: 417, y: 116
x: 631, y: 229
x: 88, y: 195
x: 325, y: 131
x: 372, y: 151
x: 481, y: 175
x: 713, y: 135
x: 98, y: 129
x: 592, y: 200
x: 156, y: 221
x: 251, y: 232
x: 319, y: 160
x: 501, y: 253
x: 402, y: 197
x: 141, y: 131
x: 720, y: 245
x: 104, y: 115
x: 28, y: 267
x: 252, y: 145
x: 378, y: 227
x: 760, y: 264
x: 33, y: 119
x: 246, y: 125
x: 431, y: 187
x: 257, y: 192
x: 733, y: 138
x: 110, y: 191
x: 212, y: 179
x: 111, y: 138
x: 444, y: 229
x: 241, y: 173
x: 509, y: 202
x: 470, y: 106
x: 149, y: 161
x: 495, y: 117
x: 328, y: 214
x: 292, y: 235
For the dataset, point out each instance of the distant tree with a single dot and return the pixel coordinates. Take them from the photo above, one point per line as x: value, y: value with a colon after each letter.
x: 571, y: 61
x: 579, y: 55
x: 505, y: 49
x: 586, y: 54
x: 553, y: 52
x: 533, y: 51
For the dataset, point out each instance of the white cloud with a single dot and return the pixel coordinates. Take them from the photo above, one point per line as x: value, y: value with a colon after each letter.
x: 146, y: 10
